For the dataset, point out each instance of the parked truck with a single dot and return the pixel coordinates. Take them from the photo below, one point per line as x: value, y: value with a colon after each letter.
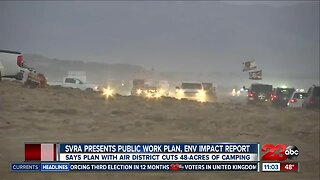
x: 210, y: 89
x: 137, y: 87
x: 10, y: 63
x: 150, y: 88
x: 191, y: 91
x: 76, y: 79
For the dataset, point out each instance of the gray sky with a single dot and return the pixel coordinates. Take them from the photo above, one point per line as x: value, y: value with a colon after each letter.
x: 169, y: 36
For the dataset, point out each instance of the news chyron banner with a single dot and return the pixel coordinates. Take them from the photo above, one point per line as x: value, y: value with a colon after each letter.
x: 139, y: 157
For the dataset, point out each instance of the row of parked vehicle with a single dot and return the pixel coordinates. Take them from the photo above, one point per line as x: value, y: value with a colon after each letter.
x: 198, y: 91
x: 286, y: 97
x: 12, y: 66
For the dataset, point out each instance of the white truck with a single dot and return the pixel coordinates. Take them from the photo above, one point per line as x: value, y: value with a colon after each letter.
x: 10, y: 63
x: 76, y: 79
x: 165, y: 86
x: 191, y: 91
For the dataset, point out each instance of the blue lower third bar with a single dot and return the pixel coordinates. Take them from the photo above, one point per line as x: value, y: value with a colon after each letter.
x: 25, y: 167
x: 55, y: 167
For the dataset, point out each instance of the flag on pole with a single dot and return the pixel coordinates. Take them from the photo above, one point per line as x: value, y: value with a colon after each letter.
x: 249, y: 65
x: 40, y: 152
x: 255, y: 75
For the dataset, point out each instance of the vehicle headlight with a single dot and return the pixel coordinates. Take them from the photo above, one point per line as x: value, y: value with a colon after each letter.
x: 139, y: 91
x: 158, y: 95
x: 201, y: 95
x: 107, y: 92
x: 161, y: 91
x: 238, y: 93
x: 180, y: 91
x: 233, y: 92
x: 149, y: 95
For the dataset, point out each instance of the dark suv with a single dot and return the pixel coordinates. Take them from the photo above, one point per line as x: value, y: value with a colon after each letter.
x: 210, y: 91
x: 312, y: 98
x: 281, y: 96
x: 259, y: 93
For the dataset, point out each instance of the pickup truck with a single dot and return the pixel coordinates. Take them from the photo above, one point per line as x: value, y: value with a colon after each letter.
x: 165, y: 86
x: 75, y: 82
x: 10, y: 63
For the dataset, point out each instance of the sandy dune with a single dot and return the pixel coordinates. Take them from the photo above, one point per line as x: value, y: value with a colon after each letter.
x: 61, y: 114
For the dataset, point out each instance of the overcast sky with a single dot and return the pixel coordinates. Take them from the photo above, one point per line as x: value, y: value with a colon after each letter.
x: 169, y: 36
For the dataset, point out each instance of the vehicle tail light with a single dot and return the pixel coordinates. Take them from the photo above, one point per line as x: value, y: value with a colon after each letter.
x: 293, y: 100
x: 20, y: 60
x: 273, y: 97
x: 250, y: 94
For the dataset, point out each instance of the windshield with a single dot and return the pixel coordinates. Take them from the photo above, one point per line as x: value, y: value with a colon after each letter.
x: 70, y: 80
x: 299, y: 95
x: 284, y: 91
x: 191, y: 86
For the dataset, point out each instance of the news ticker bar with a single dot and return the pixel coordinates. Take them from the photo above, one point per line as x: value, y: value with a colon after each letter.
x: 134, y: 167
x: 155, y: 167
x: 200, y: 152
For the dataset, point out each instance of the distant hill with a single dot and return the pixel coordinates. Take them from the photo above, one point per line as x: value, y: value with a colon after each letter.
x: 100, y: 73
x: 56, y: 69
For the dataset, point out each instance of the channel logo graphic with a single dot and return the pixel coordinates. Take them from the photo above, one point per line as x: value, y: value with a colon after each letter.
x: 175, y: 167
x: 280, y: 152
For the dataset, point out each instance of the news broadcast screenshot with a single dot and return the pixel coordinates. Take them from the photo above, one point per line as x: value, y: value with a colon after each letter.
x: 159, y: 90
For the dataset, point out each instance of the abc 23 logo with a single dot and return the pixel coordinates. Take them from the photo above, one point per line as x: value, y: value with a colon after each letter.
x: 280, y: 152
